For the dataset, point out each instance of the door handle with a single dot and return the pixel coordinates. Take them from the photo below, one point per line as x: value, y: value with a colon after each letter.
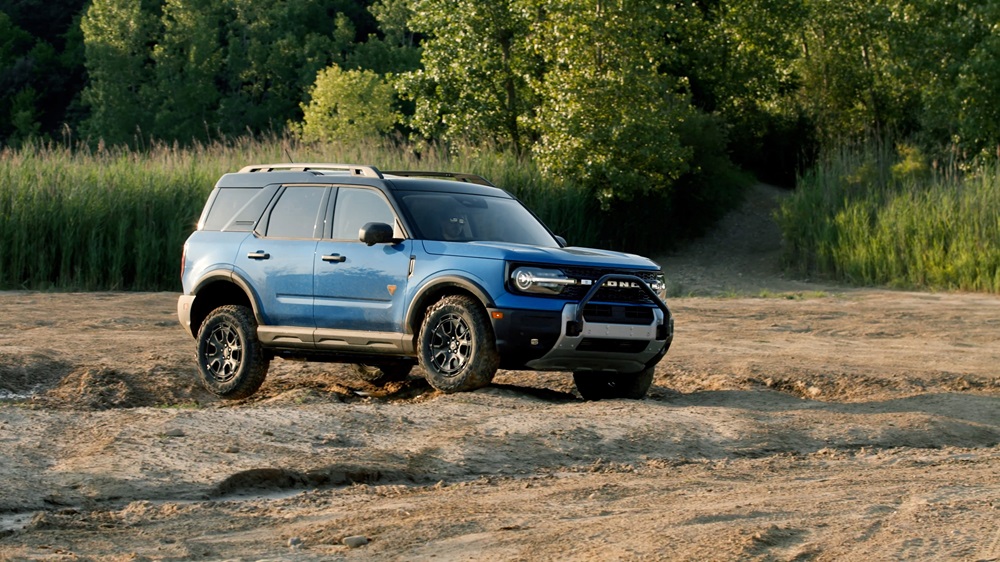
x: 259, y: 255
x: 335, y: 258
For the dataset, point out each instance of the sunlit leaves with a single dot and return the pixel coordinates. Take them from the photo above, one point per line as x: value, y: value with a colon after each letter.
x: 477, y: 67
x: 187, y: 61
x: 348, y: 106
x: 608, y: 117
x: 116, y: 35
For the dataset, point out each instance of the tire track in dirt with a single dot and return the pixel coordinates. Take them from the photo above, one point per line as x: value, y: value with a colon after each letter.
x: 818, y: 423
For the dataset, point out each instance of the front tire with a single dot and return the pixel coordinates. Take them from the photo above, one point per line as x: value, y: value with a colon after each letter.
x: 597, y: 386
x: 458, y: 350
x: 231, y: 361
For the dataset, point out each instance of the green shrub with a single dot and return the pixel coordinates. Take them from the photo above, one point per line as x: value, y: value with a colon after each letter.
x: 347, y: 106
x: 868, y: 217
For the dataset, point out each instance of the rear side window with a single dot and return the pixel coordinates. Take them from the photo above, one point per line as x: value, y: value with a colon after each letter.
x: 296, y: 213
x: 237, y: 209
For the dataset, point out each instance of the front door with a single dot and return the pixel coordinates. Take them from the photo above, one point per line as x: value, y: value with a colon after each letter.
x: 359, y: 287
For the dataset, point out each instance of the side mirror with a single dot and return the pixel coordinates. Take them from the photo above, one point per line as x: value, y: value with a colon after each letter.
x: 375, y: 233
x: 562, y: 241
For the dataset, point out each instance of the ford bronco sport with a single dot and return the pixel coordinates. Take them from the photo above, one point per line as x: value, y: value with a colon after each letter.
x: 387, y: 270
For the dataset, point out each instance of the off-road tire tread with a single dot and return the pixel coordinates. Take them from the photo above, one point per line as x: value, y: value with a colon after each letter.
x: 254, y: 365
x: 485, y: 360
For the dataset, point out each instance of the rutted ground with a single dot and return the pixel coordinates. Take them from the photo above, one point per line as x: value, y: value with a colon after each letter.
x: 850, y: 425
x: 819, y: 423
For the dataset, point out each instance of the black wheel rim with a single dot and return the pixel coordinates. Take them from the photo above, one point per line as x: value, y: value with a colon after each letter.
x: 450, y: 345
x: 223, y: 352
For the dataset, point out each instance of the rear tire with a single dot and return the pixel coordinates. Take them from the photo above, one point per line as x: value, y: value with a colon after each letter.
x: 457, y: 348
x: 382, y: 373
x: 597, y: 386
x: 231, y: 361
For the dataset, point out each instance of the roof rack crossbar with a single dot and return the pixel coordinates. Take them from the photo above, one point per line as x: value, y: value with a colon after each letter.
x: 468, y: 178
x: 353, y: 169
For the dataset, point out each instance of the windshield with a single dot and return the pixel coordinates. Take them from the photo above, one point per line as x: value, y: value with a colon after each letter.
x: 460, y: 217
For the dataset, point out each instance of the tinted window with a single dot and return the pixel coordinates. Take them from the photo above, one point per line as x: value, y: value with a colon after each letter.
x: 296, y: 212
x: 237, y: 208
x: 227, y: 202
x: 355, y: 208
x: 465, y: 218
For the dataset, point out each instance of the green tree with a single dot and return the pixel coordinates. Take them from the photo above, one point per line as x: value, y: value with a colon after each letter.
x: 348, y: 106
x: 396, y: 50
x: 477, y: 67
x: 743, y: 55
x: 741, y: 67
x: 117, y: 35
x: 191, y: 70
x: 24, y: 115
x: 40, y: 77
x: 845, y: 68
x: 947, y: 53
x: 978, y: 84
x: 273, y: 52
x: 15, y: 43
x: 187, y: 62
x: 609, y: 117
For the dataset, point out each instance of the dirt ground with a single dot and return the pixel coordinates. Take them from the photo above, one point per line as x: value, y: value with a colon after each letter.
x: 790, y: 421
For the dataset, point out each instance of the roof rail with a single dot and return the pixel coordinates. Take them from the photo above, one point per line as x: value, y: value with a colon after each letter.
x: 468, y: 178
x: 352, y: 169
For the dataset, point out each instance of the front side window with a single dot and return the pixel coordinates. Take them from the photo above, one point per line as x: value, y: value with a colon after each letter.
x: 357, y: 207
x: 296, y: 212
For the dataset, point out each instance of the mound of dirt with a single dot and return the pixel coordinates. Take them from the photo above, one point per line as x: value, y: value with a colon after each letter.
x: 25, y: 373
x: 103, y: 388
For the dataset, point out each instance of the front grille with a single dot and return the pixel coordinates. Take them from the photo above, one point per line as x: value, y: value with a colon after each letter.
x: 611, y: 314
x: 627, y: 295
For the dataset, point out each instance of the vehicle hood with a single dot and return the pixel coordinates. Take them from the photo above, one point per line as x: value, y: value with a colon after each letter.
x: 575, y: 256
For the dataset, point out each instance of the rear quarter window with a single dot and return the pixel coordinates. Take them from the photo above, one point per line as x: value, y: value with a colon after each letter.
x: 236, y: 209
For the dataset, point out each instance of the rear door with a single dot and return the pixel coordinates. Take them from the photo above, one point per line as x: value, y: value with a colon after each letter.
x: 359, y: 287
x: 278, y: 258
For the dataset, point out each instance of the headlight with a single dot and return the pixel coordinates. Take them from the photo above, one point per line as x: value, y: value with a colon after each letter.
x: 539, y: 280
x: 659, y: 286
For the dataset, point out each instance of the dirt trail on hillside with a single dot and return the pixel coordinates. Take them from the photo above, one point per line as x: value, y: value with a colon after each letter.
x: 819, y: 423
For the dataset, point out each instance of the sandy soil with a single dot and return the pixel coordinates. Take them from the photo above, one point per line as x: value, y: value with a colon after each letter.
x: 790, y: 421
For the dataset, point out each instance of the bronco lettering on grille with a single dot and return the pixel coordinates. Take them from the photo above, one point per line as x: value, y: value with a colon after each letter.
x: 622, y: 284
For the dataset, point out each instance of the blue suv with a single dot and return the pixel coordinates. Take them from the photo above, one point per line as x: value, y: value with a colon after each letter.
x: 386, y: 270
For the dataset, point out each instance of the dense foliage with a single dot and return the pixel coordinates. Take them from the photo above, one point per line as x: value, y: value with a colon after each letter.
x: 558, y: 78
x: 783, y: 76
x: 646, y: 110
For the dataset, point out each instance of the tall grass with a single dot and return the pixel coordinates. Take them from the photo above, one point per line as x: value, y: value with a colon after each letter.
x: 102, y: 219
x: 873, y: 216
x: 86, y: 219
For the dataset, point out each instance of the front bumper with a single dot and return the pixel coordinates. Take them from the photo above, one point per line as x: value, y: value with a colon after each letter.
x: 567, y: 341
x: 606, y: 347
